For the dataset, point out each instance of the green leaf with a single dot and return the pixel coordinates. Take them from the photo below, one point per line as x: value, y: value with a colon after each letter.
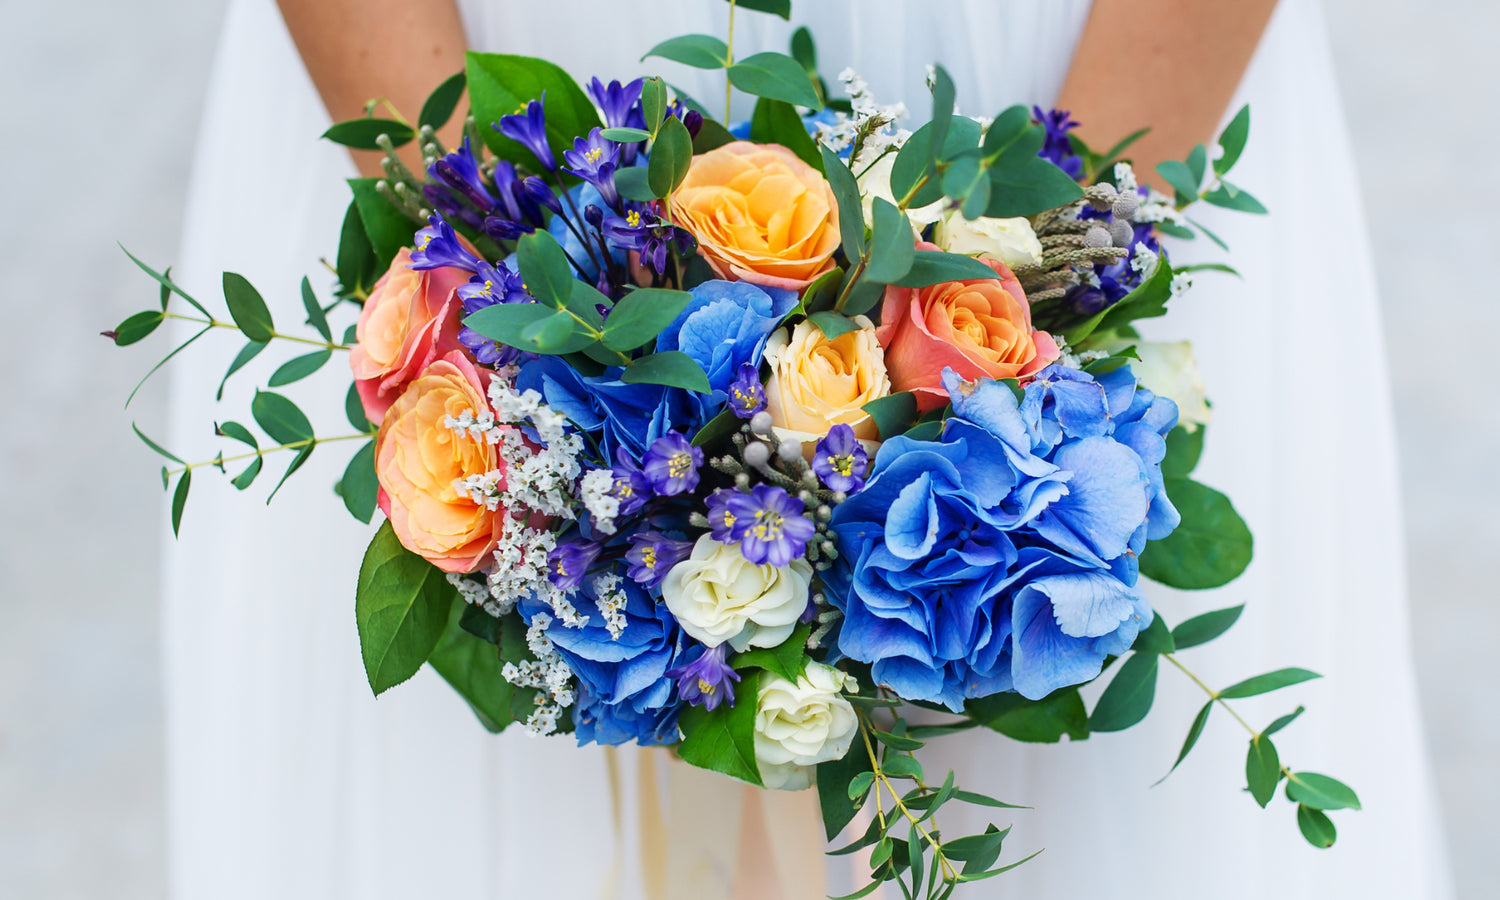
x: 555, y: 333
x: 654, y: 103
x: 1024, y: 184
x: 895, y: 741
x: 915, y: 159
x: 672, y: 368
x: 1177, y: 231
x: 359, y: 486
x: 545, y: 268
x: 1043, y: 721
x: 1320, y: 791
x: 315, y: 315
x: 296, y: 464
x: 902, y: 767
x: 1211, y: 547
x: 481, y: 624
x: 238, y: 432
x: 472, y: 667
x: 360, y: 134
x: 1213, y: 237
x: 724, y: 740
x: 1264, y: 684
x: 893, y: 245
x: 1232, y: 140
x: 671, y: 155
x: 505, y: 322
x: 824, y: 290
x: 354, y: 410
x: 925, y: 431
x: 781, y: 8
x: 1262, y: 769
x: 247, y: 308
x: 942, y: 112
x: 1129, y: 695
x: 155, y: 446
x: 1149, y: 300
x: 930, y: 267
x: 1316, y: 827
x: 137, y: 327
x: 1283, y: 721
x: 832, y: 324
x: 633, y: 184
x: 1203, y: 628
x: 1110, y: 156
x: 860, y: 785
x: 777, y: 122
x: 711, y: 136
x: 1192, y: 738
x: 1180, y: 177
x: 777, y: 76
x: 787, y: 660
x: 893, y: 414
x: 803, y: 50
x: 439, y: 106
x: 701, y: 51
x: 179, y: 499
x: 501, y: 84
x: 167, y: 283
x: 1183, y: 451
x: 387, y: 228
x: 247, y: 477
x: 833, y: 781
x: 641, y: 315
x: 1197, y: 163
x: 718, y: 429
x: 356, y: 257
x: 401, y: 607
x: 280, y: 418
x: 1155, y: 638
x: 1231, y: 197
x: 299, y: 368
x: 851, y: 212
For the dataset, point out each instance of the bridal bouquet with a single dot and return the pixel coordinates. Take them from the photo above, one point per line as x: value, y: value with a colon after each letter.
x: 746, y: 439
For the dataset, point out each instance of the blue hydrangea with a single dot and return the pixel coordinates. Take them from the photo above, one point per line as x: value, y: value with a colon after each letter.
x: 724, y: 326
x: 621, y: 415
x: 1003, y: 556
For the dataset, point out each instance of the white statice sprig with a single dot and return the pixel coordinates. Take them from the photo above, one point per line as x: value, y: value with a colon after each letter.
x: 548, y: 674
x: 611, y: 603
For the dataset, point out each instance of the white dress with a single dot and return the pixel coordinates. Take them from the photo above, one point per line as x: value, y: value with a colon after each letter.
x: 286, y: 779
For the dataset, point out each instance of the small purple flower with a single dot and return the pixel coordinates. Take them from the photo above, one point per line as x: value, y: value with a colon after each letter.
x: 437, y: 246
x: 594, y: 160
x: 528, y: 128
x: 459, y: 171
x: 1057, y: 148
x: 632, y: 487
x: 747, y: 396
x: 489, y: 286
x: 568, y: 563
x: 721, y: 517
x: 652, y: 556
x: 769, y: 525
x: 622, y: 109
x: 671, y: 464
x: 708, y: 680
x: 646, y: 233
x: 840, y: 460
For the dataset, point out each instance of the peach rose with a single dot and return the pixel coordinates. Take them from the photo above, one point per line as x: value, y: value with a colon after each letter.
x: 816, y: 383
x: 979, y: 329
x: 417, y: 460
x: 409, y: 319
x: 760, y: 214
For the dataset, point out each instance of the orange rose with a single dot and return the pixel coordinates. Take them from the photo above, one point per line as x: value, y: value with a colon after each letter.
x: 417, y: 460
x: 760, y: 214
x: 409, y: 319
x: 979, y: 329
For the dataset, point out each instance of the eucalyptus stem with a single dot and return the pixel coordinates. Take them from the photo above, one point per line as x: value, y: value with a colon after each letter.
x: 728, y: 61
x: 215, y: 323
x: 262, y: 451
x: 1212, y: 694
x: 949, y: 873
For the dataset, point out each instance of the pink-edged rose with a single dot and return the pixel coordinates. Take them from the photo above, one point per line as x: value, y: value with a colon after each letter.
x: 409, y: 320
x: 979, y: 329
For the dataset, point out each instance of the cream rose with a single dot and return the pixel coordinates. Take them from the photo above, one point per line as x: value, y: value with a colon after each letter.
x: 816, y: 383
x: 717, y: 595
x: 1009, y: 240
x: 1168, y: 369
x: 875, y: 181
x: 800, y: 725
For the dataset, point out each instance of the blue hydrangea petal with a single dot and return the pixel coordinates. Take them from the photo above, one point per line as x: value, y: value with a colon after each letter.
x: 1106, y: 500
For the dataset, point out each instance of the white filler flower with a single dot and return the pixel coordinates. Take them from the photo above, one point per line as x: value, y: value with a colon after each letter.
x: 717, y: 595
x: 800, y: 725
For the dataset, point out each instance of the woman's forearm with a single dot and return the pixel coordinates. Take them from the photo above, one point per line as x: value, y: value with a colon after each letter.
x: 1170, y: 64
x: 358, y: 50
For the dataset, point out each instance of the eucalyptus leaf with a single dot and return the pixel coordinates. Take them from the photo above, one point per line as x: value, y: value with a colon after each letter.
x: 1320, y: 791
x: 1203, y: 628
x: 439, y: 106
x: 1316, y: 827
x: 1232, y: 141
x: 641, y: 315
x: 832, y: 324
x: 851, y: 212
x: 505, y: 322
x: 672, y: 368
x: 671, y: 155
x: 238, y: 432
x: 633, y: 184
x: 1194, y: 732
x: 1283, y: 721
x: 247, y: 477
x: 782, y: 8
x: 354, y: 411
x: 701, y: 51
x: 359, y: 487
x: 930, y: 267
x: 1264, y: 684
x: 1262, y: 769
x: 545, y: 268
x: 777, y: 76
x: 360, y: 134
x: 296, y: 463
x: 1129, y: 695
x: 247, y: 308
x: 1180, y: 177
x: 1230, y: 197
x: 137, y: 327
x: 401, y: 608
x: 280, y: 418
x: 315, y: 315
x: 1211, y: 546
x: 299, y: 368
x: 179, y: 499
x: 892, y: 244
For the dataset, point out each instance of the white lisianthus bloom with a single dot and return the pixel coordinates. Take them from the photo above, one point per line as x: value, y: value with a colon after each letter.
x: 1011, y: 241
x: 717, y: 595
x: 1168, y: 369
x: 875, y: 181
x: 800, y: 725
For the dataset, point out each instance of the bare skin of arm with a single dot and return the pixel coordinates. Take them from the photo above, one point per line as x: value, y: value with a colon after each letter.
x: 358, y: 50
x: 1171, y: 64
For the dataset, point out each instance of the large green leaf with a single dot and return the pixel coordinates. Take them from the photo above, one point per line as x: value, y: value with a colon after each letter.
x: 401, y: 609
x: 1024, y: 184
x: 1211, y: 546
x: 701, y: 51
x: 672, y: 368
x: 892, y: 246
x: 893, y: 413
x: 359, y: 487
x: 387, y: 228
x: 777, y: 76
x: 1129, y: 695
x: 1043, y: 721
x: 724, y: 740
x: 1183, y: 451
x: 671, y: 155
x: 280, y: 418
x: 360, y: 134
x: 439, y: 106
x: 787, y: 659
x: 501, y: 84
x: 777, y: 122
x: 936, y: 267
x: 1316, y: 826
x: 641, y: 315
x: 846, y: 193
x: 472, y: 667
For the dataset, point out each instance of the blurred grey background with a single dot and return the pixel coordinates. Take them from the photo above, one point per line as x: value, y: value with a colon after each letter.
x: 102, y: 101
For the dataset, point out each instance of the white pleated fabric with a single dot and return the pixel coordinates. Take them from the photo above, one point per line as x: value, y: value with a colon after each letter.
x: 285, y: 779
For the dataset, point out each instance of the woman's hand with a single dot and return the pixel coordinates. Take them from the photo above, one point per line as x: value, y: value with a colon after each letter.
x: 396, y: 50
x: 1170, y: 64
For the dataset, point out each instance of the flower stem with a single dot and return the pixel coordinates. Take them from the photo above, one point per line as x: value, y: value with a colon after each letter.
x: 262, y: 451
x: 899, y: 805
x: 215, y: 323
x: 1212, y: 694
x: 729, y: 61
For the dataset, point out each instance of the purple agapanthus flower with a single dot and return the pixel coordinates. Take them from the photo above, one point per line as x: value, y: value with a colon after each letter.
x: 652, y: 556
x: 528, y: 128
x: 645, y: 232
x: 594, y: 159
x: 840, y: 460
x: 522, y: 198
x: 769, y: 525
x: 720, y: 517
x: 459, y: 172
x: 1057, y: 148
x: 708, y: 680
x: 437, y: 246
x: 489, y: 286
x: 692, y: 120
x: 632, y: 487
x: 568, y: 563
x: 622, y: 109
x: 671, y: 464
x: 747, y: 396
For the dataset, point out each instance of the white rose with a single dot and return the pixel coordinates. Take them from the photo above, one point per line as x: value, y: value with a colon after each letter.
x: 1168, y: 369
x: 717, y: 595
x: 1011, y: 241
x: 875, y: 181
x: 800, y: 725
